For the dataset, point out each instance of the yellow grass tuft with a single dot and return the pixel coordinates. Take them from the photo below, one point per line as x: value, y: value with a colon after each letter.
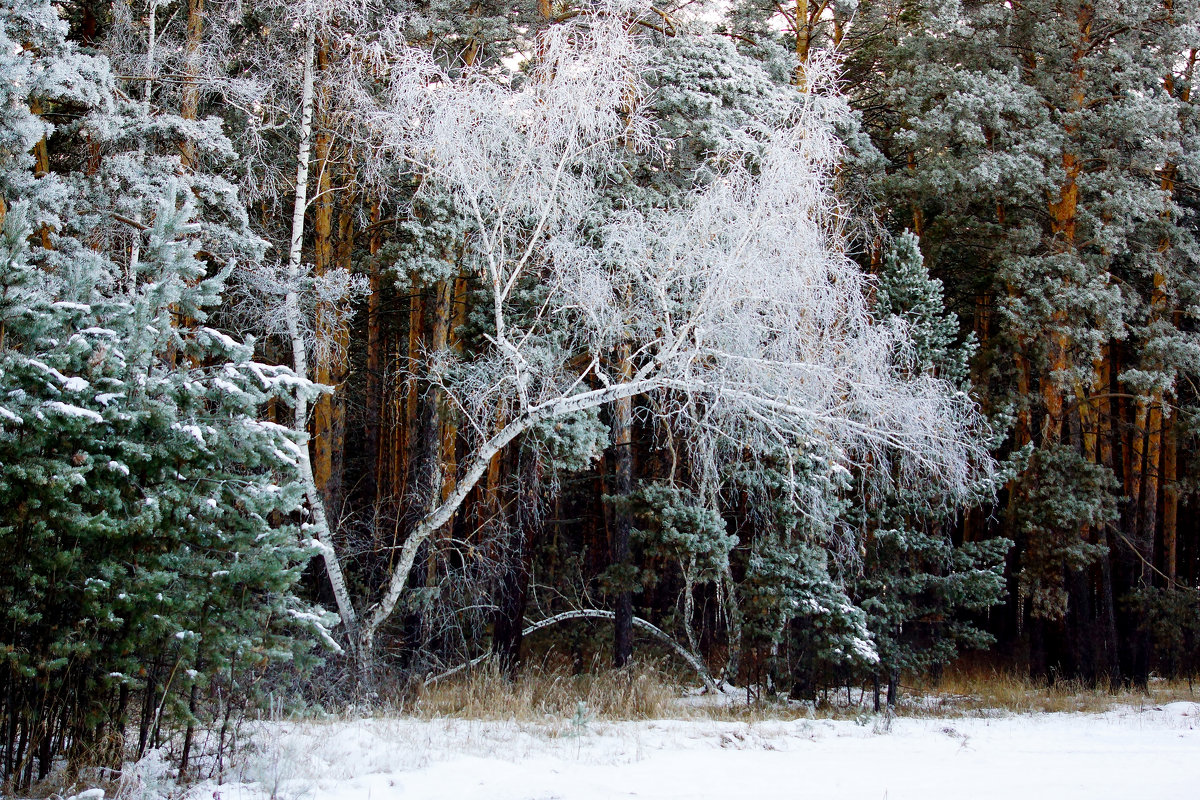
x: 650, y: 690
x: 639, y: 691
x: 969, y: 689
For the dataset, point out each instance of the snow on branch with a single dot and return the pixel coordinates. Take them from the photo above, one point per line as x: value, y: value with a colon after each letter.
x: 744, y: 315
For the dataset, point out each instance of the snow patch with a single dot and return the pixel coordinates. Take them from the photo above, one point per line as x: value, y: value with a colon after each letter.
x: 193, y: 431
x: 49, y: 370
x: 68, y: 410
x: 1112, y: 756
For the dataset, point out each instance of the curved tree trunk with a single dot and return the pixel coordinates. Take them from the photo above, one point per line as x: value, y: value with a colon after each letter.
x: 320, y: 528
x: 476, y: 468
x: 594, y: 613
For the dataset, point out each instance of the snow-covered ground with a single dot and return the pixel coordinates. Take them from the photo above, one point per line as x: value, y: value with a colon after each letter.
x: 1129, y: 753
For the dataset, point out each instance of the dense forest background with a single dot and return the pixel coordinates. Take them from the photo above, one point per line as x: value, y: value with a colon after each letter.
x: 228, y: 224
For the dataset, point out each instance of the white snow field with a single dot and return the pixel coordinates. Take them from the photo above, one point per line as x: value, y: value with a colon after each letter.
x: 1148, y: 753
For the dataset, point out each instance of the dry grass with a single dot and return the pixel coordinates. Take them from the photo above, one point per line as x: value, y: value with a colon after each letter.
x: 551, y: 700
x: 974, y: 690
x: 648, y: 691
x: 639, y: 691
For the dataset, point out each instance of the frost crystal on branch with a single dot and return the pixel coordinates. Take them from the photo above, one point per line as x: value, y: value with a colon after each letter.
x: 743, y: 314
x: 257, y: 304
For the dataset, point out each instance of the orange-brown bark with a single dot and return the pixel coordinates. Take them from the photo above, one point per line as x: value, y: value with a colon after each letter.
x: 321, y: 427
x: 416, y: 324
x: 803, y: 20
x: 447, y: 429
x: 374, y: 377
x: 1063, y: 209
x: 1024, y: 428
x: 189, y: 106
x: 41, y: 164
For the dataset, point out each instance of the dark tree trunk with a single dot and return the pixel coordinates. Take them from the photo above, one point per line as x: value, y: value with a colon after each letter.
x: 510, y: 607
x: 1112, y: 658
x: 1081, y: 626
x: 620, y: 486
x: 374, y: 376
x: 526, y: 526
x: 1038, y: 660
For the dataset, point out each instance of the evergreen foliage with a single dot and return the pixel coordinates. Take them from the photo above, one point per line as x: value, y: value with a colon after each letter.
x: 810, y: 336
x: 803, y: 615
x: 906, y: 293
x: 1038, y: 150
x: 675, y: 524
x: 915, y: 584
x: 145, y: 500
x: 143, y: 504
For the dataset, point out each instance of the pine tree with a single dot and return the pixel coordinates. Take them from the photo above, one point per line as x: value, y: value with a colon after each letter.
x: 915, y: 584
x: 1032, y: 148
x: 145, y: 503
x: 906, y: 293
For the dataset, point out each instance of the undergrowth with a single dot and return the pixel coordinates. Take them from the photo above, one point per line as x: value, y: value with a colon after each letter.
x: 638, y: 691
x: 970, y: 690
x: 648, y: 691
x: 288, y: 742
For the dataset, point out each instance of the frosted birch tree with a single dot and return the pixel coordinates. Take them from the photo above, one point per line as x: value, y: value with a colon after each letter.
x: 271, y: 94
x: 744, y: 315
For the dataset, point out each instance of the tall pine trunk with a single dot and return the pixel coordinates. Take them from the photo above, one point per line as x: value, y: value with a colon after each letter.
x: 374, y: 478
x: 189, y: 106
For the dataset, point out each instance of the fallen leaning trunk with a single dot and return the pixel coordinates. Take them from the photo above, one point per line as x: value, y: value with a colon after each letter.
x: 594, y: 613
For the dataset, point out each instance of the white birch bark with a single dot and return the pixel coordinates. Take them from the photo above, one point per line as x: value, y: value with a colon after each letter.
x: 733, y: 615
x: 742, y: 308
x: 381, y: 611
x: 320, y: 525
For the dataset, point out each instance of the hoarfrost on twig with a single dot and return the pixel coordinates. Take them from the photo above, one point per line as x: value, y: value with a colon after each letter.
x: 746, y: 320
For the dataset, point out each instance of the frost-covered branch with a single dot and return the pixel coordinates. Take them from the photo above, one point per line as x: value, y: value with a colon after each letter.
x: 744, y: 316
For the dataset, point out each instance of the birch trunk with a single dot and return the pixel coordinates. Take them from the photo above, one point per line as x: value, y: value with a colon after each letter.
x: 476, y: 468
x: 733, y: 613
x: 320, y: 527
x: 689, y: 602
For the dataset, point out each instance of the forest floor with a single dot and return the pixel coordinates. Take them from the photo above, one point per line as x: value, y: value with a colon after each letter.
x: 1131, y: 752
x: 942, y: 744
